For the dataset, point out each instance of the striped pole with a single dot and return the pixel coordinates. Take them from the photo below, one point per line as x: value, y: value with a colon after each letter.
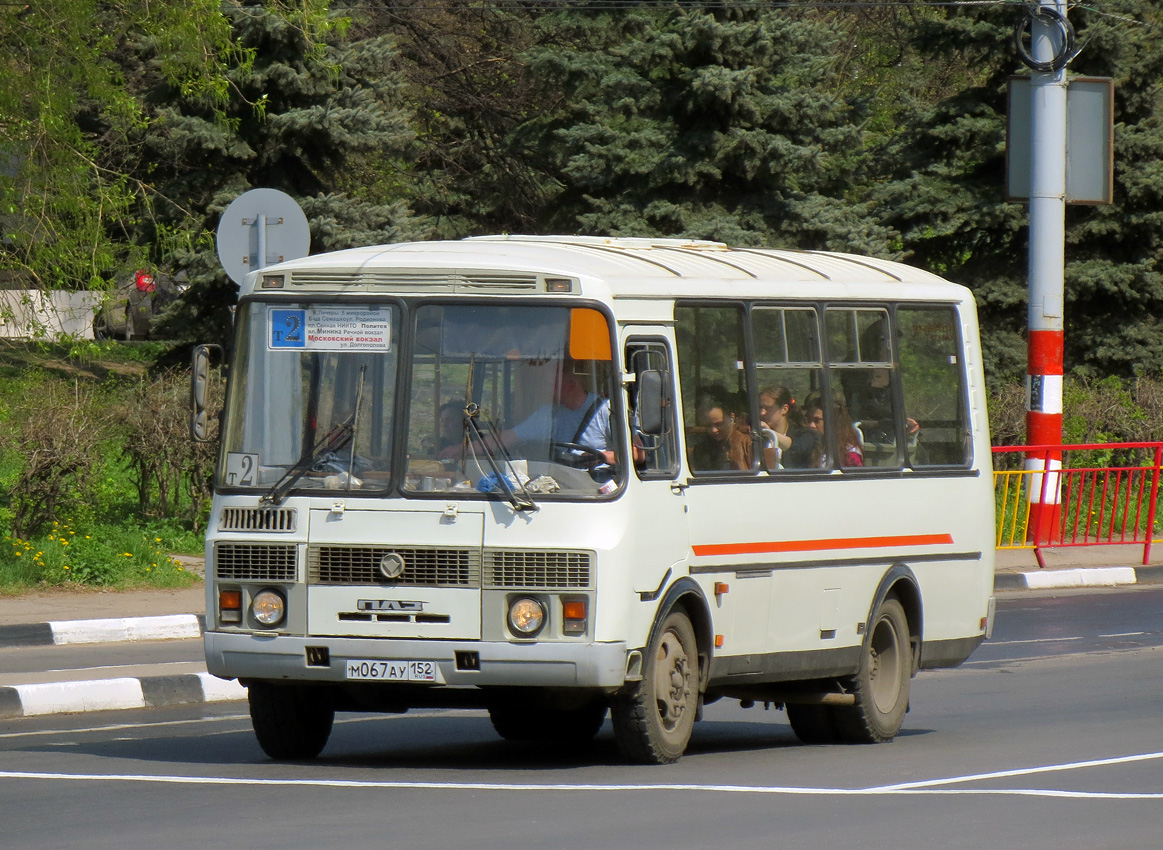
x: 1046, y: 272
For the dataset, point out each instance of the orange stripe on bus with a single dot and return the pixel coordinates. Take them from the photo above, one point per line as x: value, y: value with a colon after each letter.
x: 818, y: 545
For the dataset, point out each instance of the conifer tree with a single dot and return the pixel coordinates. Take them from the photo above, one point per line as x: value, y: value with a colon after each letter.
x: 709, y: 123
x: 312, y: 115
x: 946, y: 195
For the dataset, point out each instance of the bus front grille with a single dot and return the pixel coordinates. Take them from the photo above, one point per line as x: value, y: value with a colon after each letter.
x: 257, y: 519
x: 255, y: 562
x: 524, y: 568
x: 429, y: 567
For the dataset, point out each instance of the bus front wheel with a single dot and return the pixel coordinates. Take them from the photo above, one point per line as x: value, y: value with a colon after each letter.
x: 881, y: 685
x: 290, y: 722
x: 653, y: 722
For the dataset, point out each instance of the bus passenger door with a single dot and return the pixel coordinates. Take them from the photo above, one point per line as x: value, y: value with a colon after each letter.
x: 659, y: 502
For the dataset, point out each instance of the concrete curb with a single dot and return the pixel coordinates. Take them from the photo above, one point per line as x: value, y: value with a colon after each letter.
x: 115, y: 694
x: 1083, y: 577
x: 169, y: 627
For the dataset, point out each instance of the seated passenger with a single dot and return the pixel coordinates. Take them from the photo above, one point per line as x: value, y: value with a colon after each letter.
x: 709, y: 450
x: 812, y: 450
x: 723, y: 441
x: 449, y: 425
x: 778, y: 413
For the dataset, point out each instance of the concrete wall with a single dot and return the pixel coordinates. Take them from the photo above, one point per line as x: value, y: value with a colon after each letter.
x: 31, y: 313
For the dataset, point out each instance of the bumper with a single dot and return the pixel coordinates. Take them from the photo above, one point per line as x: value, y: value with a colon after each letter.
x: 549, y: 664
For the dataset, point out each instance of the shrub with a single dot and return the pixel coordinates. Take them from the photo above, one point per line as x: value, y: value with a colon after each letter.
x: 58, y: 435
x: 172, y: 473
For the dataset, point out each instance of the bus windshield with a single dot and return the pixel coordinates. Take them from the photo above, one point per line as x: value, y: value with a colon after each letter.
x: 506, y: 401
x: 313, y: 398
x: 511, y: 396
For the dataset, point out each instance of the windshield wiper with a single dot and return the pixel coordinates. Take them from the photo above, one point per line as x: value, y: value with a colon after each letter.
x: 333, y: 441
x: 490, y: 442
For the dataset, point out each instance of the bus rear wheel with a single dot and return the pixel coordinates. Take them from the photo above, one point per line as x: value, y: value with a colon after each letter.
x: 653, y: 722
x: 290, y: 722
x: 813, y: 724
x: 881, y: 686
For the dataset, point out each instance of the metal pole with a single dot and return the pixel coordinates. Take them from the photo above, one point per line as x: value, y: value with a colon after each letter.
x: 1046, y: 261
x: 260, y: 224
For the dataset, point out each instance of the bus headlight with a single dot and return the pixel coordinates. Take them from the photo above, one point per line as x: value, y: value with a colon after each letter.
x: 526, y: 616
x: 268, y: 607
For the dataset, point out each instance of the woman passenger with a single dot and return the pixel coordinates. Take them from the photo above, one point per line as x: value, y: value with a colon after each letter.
x: 777, y: 412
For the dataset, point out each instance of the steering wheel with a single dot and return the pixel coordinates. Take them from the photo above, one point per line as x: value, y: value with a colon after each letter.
x: 590, y: 458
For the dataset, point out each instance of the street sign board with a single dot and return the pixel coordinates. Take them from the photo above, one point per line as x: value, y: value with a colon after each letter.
x: 1089, y: 140
x: 259, y: 228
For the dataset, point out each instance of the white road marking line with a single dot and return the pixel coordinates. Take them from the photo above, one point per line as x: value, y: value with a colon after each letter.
x: 40, y: 732
x: 432, y: 712
x: 525, y: 787
x: 123, y: 666
x: 1026, y: 771
x: 1124, y: 634
x: 1032, y: 640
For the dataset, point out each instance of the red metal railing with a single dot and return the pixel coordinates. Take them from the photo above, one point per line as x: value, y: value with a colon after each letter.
x: 1090, y: 503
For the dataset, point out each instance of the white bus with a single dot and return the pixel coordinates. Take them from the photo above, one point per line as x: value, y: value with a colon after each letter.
x: 563, y: 477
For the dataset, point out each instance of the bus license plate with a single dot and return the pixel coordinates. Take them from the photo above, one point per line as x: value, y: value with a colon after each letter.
x: 392, y: 671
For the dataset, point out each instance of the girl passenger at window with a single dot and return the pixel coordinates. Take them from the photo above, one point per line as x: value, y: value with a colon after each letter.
x: 778, y: 413
x: 847, y: 446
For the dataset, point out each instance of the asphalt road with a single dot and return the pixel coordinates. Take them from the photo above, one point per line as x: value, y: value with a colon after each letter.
x: 1050, y: 737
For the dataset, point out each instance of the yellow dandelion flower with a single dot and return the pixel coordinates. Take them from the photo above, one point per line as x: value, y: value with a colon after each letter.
x: 64, y: 542
x: 157, y: 540
x: 66, y: 566
x: 17, y: 553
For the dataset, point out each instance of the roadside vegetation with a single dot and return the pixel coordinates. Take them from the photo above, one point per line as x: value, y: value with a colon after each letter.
x: 872, y: 128
x: 99, y: 482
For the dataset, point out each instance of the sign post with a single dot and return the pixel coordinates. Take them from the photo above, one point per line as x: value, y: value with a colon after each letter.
x: 259, y: 228
x: 1051, y: 49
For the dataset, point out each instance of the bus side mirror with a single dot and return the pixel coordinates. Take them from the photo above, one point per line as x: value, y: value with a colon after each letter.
x: 651, y: 401
x: 199, y: 391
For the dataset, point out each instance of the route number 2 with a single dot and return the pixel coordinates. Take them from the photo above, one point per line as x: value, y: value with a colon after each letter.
x: 241, y: 469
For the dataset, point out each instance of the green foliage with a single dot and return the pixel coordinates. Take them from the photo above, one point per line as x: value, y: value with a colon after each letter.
x: 172, y: 473
x: 298, y: 117
x: 92, y: 554
x: 69, y: 503
x: 67, y: 199
x: 945, y: 198
x: 703, y: 124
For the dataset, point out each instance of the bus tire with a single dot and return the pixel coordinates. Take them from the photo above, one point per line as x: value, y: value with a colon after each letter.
x: 881, y: 685
x: 653, y: 721
x: 813, y: 724
x: 290, y: 722
x: 547, y: 725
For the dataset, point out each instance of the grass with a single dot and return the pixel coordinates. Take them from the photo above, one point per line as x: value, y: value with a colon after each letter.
x: 100, y: 540
x: 94, y: 555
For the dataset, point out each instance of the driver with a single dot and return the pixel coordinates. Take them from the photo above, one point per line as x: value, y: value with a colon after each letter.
x: 575, y: 415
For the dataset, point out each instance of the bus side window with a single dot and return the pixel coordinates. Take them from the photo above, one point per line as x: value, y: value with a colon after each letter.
x: 861, y: 362
x: 933, y: 382
x: 789, y: 371
x: 652, y: 432
x: 715, y: 397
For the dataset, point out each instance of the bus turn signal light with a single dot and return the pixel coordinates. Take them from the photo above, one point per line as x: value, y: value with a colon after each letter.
x: 230, y: 606
x: 573, y: 616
